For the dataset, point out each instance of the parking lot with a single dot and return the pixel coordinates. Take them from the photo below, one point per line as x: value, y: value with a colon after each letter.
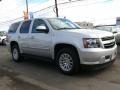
x: 32, y: 74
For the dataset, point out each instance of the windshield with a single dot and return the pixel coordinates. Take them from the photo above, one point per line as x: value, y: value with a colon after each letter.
x: 60, y: 24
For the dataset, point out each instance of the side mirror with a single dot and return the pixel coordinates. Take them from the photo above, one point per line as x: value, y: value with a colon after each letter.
x: 42, y: 28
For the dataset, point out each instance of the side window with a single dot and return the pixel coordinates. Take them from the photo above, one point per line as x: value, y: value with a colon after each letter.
x: 25, y: 27
x: 13, y: 28
x: 38, y: 22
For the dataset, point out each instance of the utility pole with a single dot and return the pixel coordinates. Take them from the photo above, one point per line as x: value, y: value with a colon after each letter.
x: 27, y: 6
x: 56, y: 7
x: 26, y: 11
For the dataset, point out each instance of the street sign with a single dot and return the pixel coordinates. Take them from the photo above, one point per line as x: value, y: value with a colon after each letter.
x: 31, y: 15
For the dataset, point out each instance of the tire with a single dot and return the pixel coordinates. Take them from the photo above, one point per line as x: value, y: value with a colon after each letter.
x: 67, y: 61
x: 16, y: 56
x: 3, y: 42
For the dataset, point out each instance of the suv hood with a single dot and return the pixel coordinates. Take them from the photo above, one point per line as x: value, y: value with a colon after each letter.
x: 89, y: 33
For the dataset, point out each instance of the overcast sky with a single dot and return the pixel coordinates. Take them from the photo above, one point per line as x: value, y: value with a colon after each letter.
x: 96, y: 11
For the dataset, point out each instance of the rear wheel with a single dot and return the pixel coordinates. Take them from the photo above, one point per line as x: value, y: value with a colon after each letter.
x: 3, y: 42
x: 16, y: 56
x: 68, y: 61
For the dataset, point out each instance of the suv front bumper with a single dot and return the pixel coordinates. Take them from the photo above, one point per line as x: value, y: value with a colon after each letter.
x: 97, y: 66
x: 96, y: 56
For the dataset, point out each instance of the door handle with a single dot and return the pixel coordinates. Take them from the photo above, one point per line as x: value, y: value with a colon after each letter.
x: 19, y: 37
x: 32, y: 37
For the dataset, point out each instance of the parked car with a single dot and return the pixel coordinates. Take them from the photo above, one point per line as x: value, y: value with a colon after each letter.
x: 62, y: 41
x: 111, y: 28
x: 2, y: 37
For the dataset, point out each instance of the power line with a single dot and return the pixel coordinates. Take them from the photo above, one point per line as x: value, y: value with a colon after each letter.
x: 11, y: 20
x: 41, y: 10
x: 35, y: 12
x: 83, y: 4
x: 51, y: 7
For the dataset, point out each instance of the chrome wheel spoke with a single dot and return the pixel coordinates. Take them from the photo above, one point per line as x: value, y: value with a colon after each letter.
x: 66, y: 62
x: 15, y: 54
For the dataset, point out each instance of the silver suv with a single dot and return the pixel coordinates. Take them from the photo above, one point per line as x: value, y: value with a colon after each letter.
x: 62, y: 41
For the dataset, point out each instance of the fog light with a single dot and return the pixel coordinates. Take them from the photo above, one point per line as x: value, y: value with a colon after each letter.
x: 107, y: 57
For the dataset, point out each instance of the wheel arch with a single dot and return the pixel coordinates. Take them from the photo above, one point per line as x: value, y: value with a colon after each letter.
x: 12, y: 44
x: 64, y: 45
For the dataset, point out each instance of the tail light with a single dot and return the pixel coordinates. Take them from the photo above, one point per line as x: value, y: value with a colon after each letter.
x: 7, y: 38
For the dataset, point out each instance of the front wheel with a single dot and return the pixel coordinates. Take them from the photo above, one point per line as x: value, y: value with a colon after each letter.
x: 68, y: 61
x: 16, y: 56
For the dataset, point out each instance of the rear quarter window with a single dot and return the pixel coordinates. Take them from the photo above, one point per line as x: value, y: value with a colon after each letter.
x: 13, y: 28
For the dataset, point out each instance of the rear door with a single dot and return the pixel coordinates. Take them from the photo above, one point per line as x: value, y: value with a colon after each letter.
x: 23, y: 36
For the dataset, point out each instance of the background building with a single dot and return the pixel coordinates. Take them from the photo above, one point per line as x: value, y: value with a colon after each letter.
x: 85, y: 24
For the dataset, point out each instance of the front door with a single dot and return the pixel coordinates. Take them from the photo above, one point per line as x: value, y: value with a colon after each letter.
x: 40, y: 41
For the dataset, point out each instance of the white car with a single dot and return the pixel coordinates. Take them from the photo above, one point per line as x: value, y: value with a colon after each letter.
x: 111, y: 28
x: 63, y: 42
x: 2, y: 38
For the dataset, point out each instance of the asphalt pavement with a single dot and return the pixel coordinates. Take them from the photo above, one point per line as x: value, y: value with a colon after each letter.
x: 32, y: 74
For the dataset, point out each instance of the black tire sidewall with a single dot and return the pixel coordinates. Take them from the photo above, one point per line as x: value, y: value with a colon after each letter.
x: 76, y: 61
x: 19, y: 56
x: 3, y: 42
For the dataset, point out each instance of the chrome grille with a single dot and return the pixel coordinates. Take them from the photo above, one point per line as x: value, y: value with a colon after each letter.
x: 109, y: 45
x: 107, y: 38
x: 108, y: 42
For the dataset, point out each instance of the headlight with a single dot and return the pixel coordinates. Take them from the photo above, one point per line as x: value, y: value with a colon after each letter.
x: 91, y: 43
